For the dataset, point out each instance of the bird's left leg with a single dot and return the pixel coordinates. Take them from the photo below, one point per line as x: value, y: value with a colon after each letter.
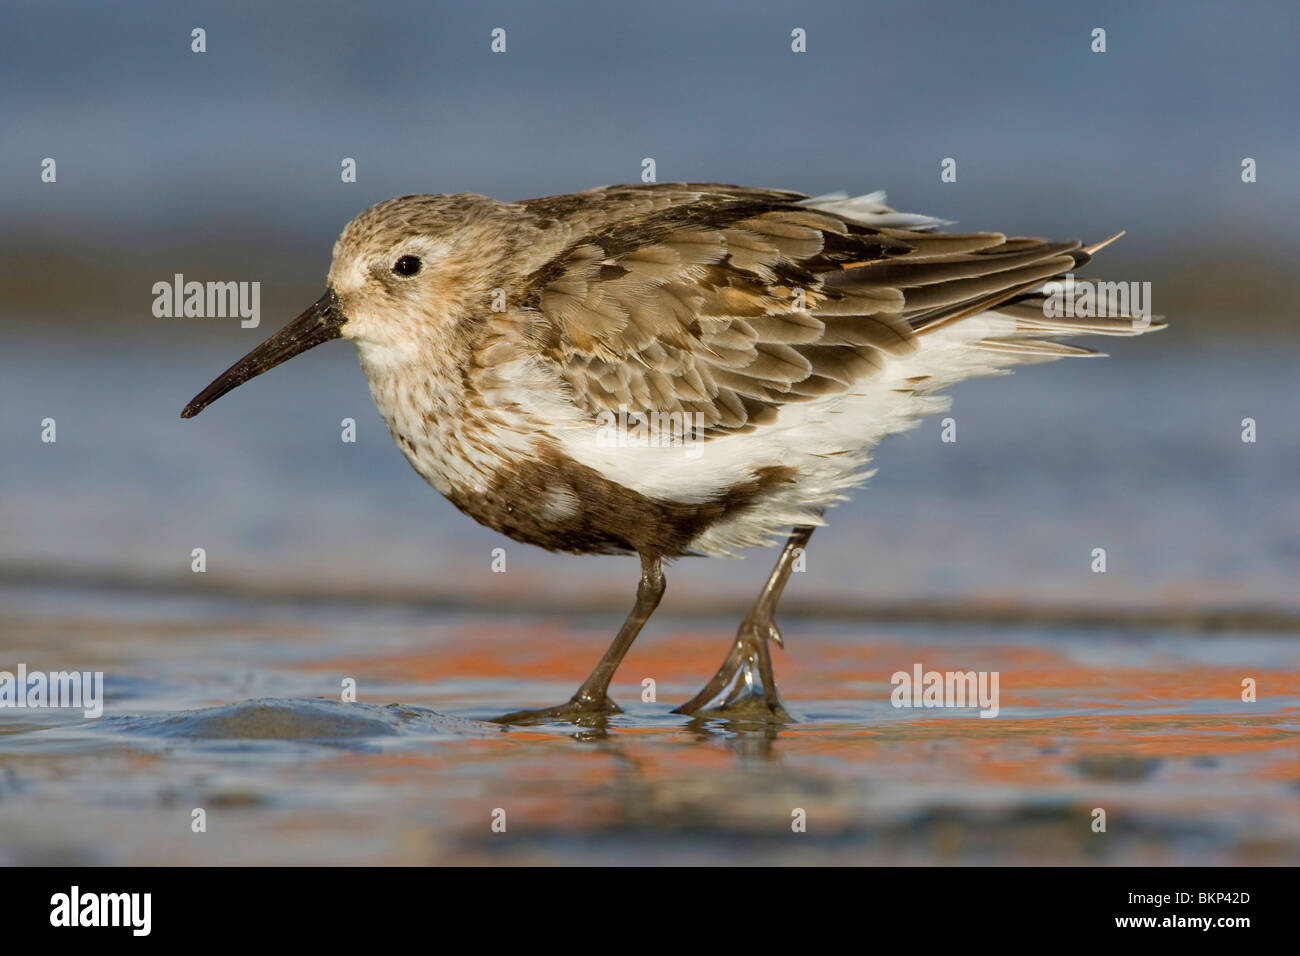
x: 592, y: 698
x: 749, y: 652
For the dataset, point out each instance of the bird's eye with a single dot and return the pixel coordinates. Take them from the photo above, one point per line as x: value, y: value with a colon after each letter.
x: 407, y: 266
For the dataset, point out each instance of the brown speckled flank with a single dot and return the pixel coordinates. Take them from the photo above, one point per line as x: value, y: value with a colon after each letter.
x: 791, y: 333
x: 613, y: 519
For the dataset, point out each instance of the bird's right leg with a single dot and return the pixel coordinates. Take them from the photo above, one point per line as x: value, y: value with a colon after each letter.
x: 592, y: 698
x: 750, y: 657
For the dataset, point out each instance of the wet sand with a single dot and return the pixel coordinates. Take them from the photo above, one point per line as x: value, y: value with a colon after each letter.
x: 236, y: 709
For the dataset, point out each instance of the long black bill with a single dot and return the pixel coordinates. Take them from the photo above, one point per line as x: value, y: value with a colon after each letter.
x: 320, y: 323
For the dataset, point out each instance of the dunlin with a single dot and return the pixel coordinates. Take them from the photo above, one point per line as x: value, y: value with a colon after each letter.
x: 507, y: 343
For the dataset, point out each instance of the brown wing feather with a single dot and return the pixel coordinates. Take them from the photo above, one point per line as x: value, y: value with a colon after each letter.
x: 731, y: 302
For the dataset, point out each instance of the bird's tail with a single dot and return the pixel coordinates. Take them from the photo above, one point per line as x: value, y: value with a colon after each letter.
x: 1025, y: 290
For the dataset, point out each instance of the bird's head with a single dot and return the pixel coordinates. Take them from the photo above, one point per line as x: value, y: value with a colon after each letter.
x: 404, y: 273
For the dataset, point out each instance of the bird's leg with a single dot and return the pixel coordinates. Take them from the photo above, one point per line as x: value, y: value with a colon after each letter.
x: 750, y: 652
x: 592, y: 697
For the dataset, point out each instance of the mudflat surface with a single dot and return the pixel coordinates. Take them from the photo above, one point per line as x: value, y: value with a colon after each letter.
x: 236, y: 709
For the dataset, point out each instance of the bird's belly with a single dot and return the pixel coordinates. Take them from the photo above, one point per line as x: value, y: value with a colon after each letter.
x: 547, y: 499
x: 559, y: 487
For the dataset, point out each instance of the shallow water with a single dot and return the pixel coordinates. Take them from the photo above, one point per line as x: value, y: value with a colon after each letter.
x: 235, y: 709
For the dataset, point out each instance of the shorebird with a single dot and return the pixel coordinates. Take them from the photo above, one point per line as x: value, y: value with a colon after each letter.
x: 506, y: 344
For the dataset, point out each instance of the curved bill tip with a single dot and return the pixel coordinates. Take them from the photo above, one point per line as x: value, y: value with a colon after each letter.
x: 322, y: 321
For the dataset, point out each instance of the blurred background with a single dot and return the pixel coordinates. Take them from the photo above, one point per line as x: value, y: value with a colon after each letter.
x: 225, y: 166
